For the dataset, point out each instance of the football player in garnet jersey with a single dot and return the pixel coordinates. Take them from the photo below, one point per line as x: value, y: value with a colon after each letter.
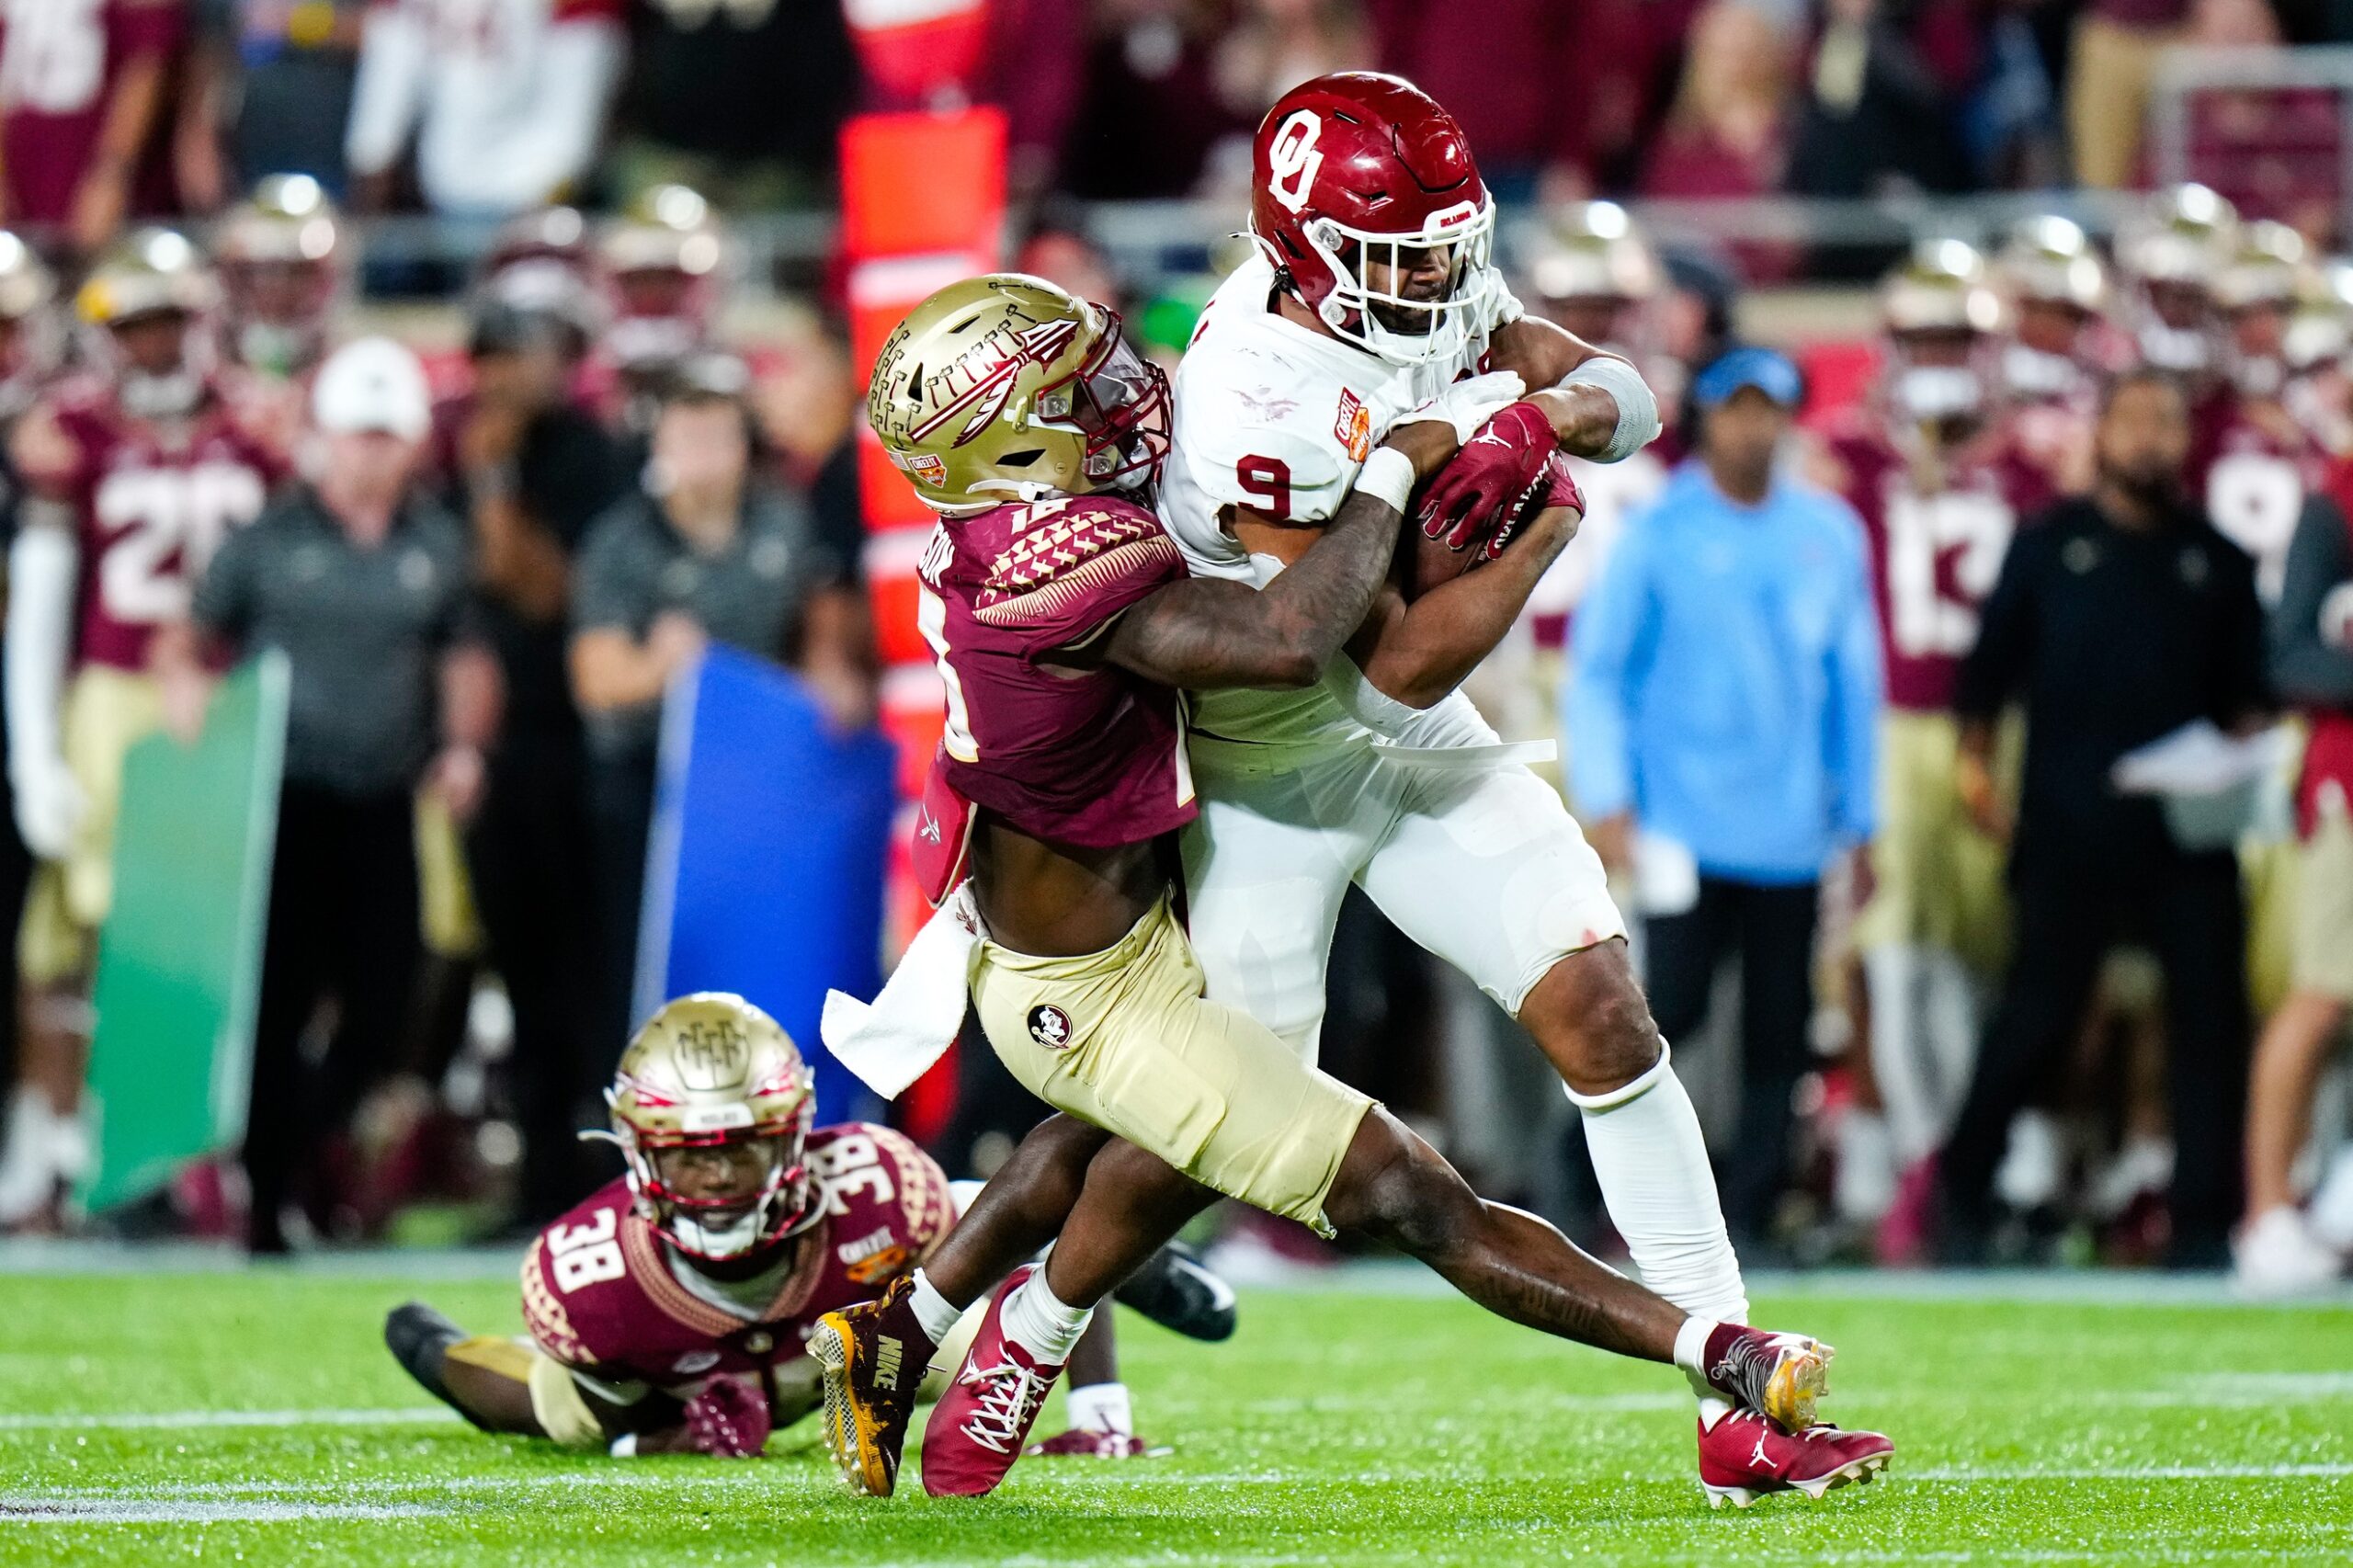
x: 2250, y: 461
x: 134, y: 474
x: 668, y: 1311
x: 280, y: 252
x: 664, y: 271
x: 1932, y: 465
x: 1372, y: 289
x: 1066, y: 625
x: 2056, y: 289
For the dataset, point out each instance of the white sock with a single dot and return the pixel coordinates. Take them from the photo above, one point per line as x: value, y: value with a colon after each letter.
x: 933, y: 1311
x: 1952, y: 1013
x: 1103, y: 1407
x: 25, y: 1177
x: 1691, y: 1354
x: 1651, y: 1160
x: 1041, y: 1324
x: 1900, y: 1053
x: 1864, y: 1188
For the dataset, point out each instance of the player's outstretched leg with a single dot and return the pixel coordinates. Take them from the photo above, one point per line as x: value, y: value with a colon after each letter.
x: 482, y: 1377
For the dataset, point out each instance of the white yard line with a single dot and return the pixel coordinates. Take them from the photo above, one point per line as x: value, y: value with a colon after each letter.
x: 129, y: 1511
x: 140, y: 1421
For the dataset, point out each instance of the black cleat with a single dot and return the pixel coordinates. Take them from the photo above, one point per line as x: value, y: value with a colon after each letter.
x: 419, y: 1339
x: 1177, y: 1290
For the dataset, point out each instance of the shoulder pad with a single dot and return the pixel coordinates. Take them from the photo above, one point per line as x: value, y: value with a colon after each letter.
x: 1062, y: 553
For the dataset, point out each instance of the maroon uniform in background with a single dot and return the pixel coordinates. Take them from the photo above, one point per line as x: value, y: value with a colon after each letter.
x: 58, y: 62
x: 1935, y: 557
x: 151, y: 503
x: 602, y: 1293
x: 2250, y: 467
x: 1089, y: 756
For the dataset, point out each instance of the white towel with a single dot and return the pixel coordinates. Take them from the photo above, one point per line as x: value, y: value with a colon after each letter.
x: 892, y: 1042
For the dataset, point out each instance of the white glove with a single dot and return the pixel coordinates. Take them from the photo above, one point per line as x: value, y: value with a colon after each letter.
x: 1469, y: 404
x: 2337, y: 617
x: 49, y: 802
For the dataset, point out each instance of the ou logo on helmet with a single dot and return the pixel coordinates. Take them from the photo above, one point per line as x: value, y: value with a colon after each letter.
x: 1293, y: 160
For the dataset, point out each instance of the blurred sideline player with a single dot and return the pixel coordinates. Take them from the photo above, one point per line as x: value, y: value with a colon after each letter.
x: 1595, y: 277
x: 136, y: 470
x: 280, y: 252
x: 2055, y: 289
x: 32, y: 349
x: 1372, y: 289
x: 668, y: 1311
x: 663, y: 266
x: 2250, y: 462
x: 2169, y: 252
x: 1068, y: 623
x: 1933, y: 466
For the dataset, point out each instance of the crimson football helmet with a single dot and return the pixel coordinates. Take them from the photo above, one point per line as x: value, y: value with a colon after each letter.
x: 1361, y: 186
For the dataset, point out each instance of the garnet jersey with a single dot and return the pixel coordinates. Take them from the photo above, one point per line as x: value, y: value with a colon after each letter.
x: 1935, y: 557
x: 603, y: 1294
x: 1275, y: 417
x: 2250, y: 466
x: 1090, y: 756
x: 58, y: 62
x: 151, y: 503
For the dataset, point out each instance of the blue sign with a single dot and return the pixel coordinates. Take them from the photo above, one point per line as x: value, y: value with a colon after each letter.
x: 766, y: 865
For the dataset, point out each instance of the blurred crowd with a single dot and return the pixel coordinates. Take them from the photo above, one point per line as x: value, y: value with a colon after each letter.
x: 117, y: 109
x: 1984, y: 1007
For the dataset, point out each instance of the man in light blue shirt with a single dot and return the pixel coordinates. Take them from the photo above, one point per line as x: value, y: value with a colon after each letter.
x: 1722, y: 722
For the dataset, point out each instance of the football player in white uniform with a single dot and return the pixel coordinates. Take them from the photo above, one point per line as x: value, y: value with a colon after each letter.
x: 1372, y: 291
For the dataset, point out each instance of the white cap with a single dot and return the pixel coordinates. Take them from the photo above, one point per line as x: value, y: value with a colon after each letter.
x: 372, y: 383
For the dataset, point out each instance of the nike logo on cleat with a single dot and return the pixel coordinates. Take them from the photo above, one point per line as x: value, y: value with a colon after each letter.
x: 888, y: 1356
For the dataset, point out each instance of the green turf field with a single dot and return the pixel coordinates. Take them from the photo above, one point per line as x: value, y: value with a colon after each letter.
x: 225, y: 1417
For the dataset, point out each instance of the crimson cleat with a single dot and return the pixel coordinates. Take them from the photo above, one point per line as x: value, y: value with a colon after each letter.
x: 1779, y: 1375
x: 1745, y: 1455
x: 982, y: 1422
x: 872, y: 1357
x: 1080, y: 1443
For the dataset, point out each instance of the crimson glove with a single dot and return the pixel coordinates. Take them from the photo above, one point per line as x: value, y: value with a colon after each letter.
x: 1558, y: 487
x: 727, y: 1421
x: 1482, y: 486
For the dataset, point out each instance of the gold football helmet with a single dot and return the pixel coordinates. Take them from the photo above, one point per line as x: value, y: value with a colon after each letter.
x: 2265, y: 269
x: 1943, y: 287
x: 1594, y: 252
x: 281, y: 267
x: 2049, y: 260
x: 2182, y: 234
x: 150, y: 271
x: 711, y: 1107
x: 1005, y: 389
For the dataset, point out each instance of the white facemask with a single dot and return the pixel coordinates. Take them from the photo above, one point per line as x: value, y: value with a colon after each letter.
x: 1934, y: 394
x: 2187, y: 350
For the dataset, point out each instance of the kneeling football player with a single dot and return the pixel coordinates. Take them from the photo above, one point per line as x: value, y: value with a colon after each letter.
x: 667, y: 1313
x: 1066, y: 626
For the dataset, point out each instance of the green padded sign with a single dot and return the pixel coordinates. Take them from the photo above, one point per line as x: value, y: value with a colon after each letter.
x: 179, y: 959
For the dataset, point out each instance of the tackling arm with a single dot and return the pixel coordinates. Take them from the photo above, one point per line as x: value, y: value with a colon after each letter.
x: 1208, y: 633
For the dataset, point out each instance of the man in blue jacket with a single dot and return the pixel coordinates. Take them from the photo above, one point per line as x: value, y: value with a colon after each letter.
x: 1721, y: 723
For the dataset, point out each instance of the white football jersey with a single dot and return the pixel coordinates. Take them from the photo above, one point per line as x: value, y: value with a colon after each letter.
x: 1272, y: 415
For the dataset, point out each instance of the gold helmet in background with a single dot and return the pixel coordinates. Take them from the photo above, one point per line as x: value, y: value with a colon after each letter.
x: 2049, y: 260
x: 1941, y: 286
x: 711, y: 1072
x: 2183, y: 234
x: 1593, y: 251
x: 1004, y: 389
x: 2267, y: 268
x: 150, y: 271
x: 280, y: 254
